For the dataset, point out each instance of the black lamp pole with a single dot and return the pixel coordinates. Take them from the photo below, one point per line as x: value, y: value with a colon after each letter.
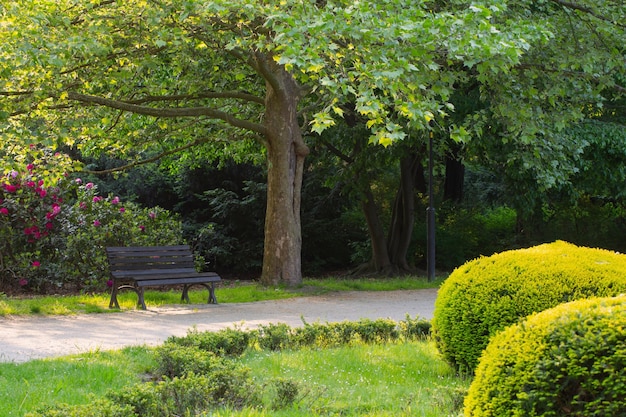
x: 430, y: 214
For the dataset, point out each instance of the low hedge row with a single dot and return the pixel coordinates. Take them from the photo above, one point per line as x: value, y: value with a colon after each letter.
x: 565, y: 361
x: 198, y: 374
x: 485, y: 295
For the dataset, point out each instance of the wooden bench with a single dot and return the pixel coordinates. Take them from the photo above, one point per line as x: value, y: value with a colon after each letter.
x: 136, y: 267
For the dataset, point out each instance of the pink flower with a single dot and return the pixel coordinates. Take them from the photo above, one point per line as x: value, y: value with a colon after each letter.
x: 89, y: 185
x: 152, y: 215
x: 4, y: 211
x: 110, y: 283
x: 10, y: 188
x: 23, y: 282
x: 36, y: 264
x: 122, y: 209
x: 82, y: 205
x: 115, y: 200
x: 30, y: 167
x: 142, y: 227
x: 49, y: 226
x: 56, y: 209
x: 96, y: 223
x: 30, y: 184
x: 78, y: 181
x: 97, y: 198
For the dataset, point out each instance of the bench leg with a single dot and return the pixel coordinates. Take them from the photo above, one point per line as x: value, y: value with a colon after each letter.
x: 184, y: 298
x: 140, y: 300
x: 210, y: 287
x: 212, y: 299
x: 113, y: 302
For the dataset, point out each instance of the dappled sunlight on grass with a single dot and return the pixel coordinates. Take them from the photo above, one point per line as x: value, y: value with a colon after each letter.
x: 226, y: 292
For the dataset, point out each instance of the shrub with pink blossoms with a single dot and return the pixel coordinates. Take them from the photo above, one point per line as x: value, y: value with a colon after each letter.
x: 29, y: 226
x: 54, y: 236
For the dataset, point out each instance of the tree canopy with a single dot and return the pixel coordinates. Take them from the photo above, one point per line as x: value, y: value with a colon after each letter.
x: 128, y: 77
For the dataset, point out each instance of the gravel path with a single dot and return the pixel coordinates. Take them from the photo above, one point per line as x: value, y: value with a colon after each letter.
x: 26, y: 338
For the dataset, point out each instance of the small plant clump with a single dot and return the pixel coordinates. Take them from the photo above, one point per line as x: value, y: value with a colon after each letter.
x: 565, y: 361
x: 487, y: 294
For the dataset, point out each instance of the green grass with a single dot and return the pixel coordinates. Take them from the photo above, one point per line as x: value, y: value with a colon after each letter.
x: 72, y: 379
x: 401, y: 379
x: 228, y: 292
x: 398, y: 379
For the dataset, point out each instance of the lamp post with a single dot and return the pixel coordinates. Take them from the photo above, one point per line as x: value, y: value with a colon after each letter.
x: 430, y: 214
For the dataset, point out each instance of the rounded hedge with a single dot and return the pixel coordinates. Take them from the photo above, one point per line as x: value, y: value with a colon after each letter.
x: 566, y: 361
x: 487, y: 294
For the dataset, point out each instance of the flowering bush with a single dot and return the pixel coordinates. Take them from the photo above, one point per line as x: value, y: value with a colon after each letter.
x: 54, y: 236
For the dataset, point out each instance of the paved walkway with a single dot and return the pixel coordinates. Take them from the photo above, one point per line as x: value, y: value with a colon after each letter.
x: 26, y: 338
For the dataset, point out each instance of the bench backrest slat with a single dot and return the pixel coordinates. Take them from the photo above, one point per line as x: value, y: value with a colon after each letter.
x: 150, y: 258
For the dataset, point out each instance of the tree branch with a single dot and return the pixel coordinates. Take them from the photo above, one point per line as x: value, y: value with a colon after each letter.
x: 588, y: 10
x: 226, y: 94
x: 169, y: 112
x: 148, y: 160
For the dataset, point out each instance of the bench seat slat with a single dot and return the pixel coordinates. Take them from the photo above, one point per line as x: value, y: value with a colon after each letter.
x: 174, y: 281
x: 162, y: 274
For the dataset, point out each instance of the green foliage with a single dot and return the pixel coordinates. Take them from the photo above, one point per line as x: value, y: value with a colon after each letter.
x: 280, y: 336
x: 566, y: 361
x: 234, y: 237
x: 176, y: 360
x: 464, y: 234
x: 226, y: 342
x: 286, y: 393
x: 96, y: 408
x: 487, y: 294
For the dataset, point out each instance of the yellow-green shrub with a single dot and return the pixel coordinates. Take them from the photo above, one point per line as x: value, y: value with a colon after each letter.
x: 487, y: 294
x: 566, y: 361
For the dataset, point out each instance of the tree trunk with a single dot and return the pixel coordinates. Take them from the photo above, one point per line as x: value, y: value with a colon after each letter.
x: 286, y: 151
x: 403, y: 214
x: 380, y: 257
x: 389, y: 256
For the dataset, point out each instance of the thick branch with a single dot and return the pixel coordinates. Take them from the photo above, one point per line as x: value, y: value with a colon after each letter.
x: 226, y: 94
x: 148, y: 160
x: 169, y: 112
x: 541, y: 67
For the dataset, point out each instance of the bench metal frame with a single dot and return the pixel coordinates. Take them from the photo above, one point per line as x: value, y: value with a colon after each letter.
x: 137, y: 267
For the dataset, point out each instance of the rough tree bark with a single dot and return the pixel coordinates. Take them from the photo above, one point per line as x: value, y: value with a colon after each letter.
x: 403, y: 214
x: 286, y: 152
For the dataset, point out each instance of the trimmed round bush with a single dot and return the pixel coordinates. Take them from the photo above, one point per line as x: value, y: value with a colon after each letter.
x: 566, y: 361
x: 487, y: 294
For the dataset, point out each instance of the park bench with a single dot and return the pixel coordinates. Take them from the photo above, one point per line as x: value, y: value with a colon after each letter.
x: 137, y: 267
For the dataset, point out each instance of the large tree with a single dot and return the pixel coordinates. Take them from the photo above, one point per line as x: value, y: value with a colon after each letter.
x: 173, y: 75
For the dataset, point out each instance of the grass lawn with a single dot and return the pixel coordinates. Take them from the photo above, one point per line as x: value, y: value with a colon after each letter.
x: 227, y: 292
x: 396, y: 379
